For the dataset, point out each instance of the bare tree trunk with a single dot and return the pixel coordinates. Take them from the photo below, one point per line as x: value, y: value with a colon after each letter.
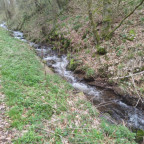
x: 5, y: 9
x: 106, y: 17
x: 94, y: 30
x: 9, y: 8
x: 12, y: 7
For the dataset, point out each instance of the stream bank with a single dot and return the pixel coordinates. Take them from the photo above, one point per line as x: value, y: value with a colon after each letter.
x: 105, y: 100
x: 103, y: 83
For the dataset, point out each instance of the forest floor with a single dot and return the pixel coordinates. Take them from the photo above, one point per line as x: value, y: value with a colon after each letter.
x: 121, y: 68
x: 39, y: 108
x: 43, y: 108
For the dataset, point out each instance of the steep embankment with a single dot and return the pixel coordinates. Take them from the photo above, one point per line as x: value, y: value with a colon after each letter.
x: 43, y: 108
x: 121, y: 68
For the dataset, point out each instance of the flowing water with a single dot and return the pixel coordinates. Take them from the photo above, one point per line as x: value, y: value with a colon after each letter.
x: 105, y: 100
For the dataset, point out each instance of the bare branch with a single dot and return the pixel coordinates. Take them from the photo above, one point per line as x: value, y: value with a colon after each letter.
x: 125, y: 18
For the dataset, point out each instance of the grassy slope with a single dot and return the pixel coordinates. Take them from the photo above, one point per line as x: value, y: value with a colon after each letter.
x: 43, y: 108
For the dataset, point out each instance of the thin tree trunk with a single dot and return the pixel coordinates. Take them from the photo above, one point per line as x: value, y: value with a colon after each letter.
x: 106, y: 17
x: 95, y: 32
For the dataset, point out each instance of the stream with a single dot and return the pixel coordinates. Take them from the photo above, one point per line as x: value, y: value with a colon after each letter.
x: 105, y: 100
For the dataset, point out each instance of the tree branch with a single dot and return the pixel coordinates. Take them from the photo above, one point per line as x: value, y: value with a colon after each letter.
x: 125, y: 18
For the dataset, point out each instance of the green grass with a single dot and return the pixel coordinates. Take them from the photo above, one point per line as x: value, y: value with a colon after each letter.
x: 30, y: 138
x: 121, y: 133
x: 43, y: 105
x: 31, y: 95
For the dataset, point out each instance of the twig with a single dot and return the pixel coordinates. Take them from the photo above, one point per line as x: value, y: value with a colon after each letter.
x: 136, y: 91
x: 42, y: 53
x: 49, y: 131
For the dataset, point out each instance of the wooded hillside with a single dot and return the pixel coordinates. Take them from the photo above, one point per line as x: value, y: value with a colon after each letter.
x: 104, y: 44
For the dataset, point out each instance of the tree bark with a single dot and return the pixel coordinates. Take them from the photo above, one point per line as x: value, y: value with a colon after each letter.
x: 93, y: 26
x: 106, y: 17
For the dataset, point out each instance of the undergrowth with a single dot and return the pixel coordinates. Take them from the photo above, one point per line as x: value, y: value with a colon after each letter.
x: 43, y: 108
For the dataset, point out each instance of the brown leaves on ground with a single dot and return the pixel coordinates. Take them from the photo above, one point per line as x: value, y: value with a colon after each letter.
x: 7, y: 134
